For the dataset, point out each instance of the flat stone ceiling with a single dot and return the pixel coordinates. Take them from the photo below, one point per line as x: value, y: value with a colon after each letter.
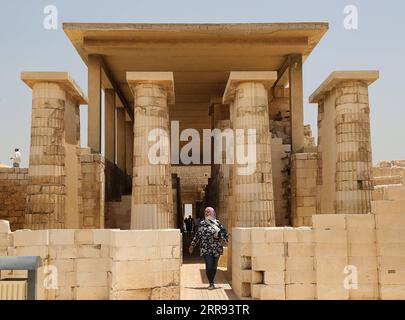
x: 200, y: 55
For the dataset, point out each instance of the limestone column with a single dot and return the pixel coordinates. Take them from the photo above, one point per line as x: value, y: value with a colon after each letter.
x: 54, y: 168
x: 129, y: 146
x: 353, y: 163
x: 296, y: 103
x: 152, y: 198
x: 110, y: 141
x: 121, y: 138
x: 253, y: 193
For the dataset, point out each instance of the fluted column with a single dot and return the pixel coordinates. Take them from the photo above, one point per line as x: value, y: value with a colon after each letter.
x: 253, y: 193
x: 53, y: 175
x: 346, y: 158
x: 353, y: 166
x: 152, y: 183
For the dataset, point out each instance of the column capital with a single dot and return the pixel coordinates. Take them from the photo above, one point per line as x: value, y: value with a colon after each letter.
x: 163, y: 79
x: 61, y: 78
x: 267, y: 78
x: 337, y: 77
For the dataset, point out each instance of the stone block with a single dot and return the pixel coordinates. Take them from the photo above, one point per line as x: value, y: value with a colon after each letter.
x: 390, y: 221
x: 168, y: 237
x: 362, y: 249
x: 300, y: 249
x: 274, y: 277
x: 330, y: 236
x: 92, y: 279
x: 102, y: 236
x: 61, y: 237
x: 300, y: 276
x: 84, y: 236
x: 133, y: 294
x: 4, y: 226
x: 31, y: 238
x: 272, y: 292
x: 6, y: 240
x: 329, y: 221
x: 242, y: 235
x: 63, y: 252
x: 92, y: 293
x: 270, y: 249
x: 89, y: 251
x: 135, y: 253
x: 365, y: 292
x: 92, y: 265
x: 330, y: 270
x: 166, y: 293
x: 268, y: 263
x: 63, y: 265
x: 290, y: 234
x: 386, y: 206
x: 331, y: 292
x: 274, y: 235
x: 390, y: 236
x: 360, y: 221
x: 41, y: 251
x: 300, y: 291
x: 391, y: 249
x: 136, y: 280
x: 258, y: 235
x: 134, y: 238
x: 392, y: 292
x: 360, y: 235
x: 299, y: 263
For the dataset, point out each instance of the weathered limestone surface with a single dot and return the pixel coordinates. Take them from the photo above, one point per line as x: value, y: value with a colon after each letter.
x: 151, y: 188
x: 327, y: 260
x: 13, y: 194
x: 345, y: 178
x: 99, y: 264
x: 92, y: 186
x: 303, y: 188
x: 389, y: 172
x: 254, y: 201
x: 280, y: 162
x: 53, y: 192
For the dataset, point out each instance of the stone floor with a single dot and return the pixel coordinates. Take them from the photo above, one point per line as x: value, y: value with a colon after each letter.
x: 194, y: 282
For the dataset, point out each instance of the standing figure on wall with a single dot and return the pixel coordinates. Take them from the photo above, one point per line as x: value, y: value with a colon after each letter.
x: 16, y: 158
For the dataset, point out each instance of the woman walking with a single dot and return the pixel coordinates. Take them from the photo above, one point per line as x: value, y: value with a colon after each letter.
x: 210, y: 235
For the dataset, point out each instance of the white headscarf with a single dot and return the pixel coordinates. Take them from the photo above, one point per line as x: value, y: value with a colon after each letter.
x: 212, y: 221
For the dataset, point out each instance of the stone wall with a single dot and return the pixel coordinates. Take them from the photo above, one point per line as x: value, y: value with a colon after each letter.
x: 389, y: 172
x: 314, y: 262
x: 304, y: 167
x: 13, y: 194
x: 92, y: 190
x: 101, y: 264
x: 280, y: 161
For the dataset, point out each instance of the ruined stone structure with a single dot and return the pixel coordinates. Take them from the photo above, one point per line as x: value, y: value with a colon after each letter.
x: 302, y: 204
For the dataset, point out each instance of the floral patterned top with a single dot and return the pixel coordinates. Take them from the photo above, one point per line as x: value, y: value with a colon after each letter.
x: 208, y: 243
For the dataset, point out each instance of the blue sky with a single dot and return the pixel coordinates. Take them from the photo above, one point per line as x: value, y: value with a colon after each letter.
x: 378, y: 44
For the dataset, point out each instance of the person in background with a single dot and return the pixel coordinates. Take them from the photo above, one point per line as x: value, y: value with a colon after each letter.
x: 211, y: 236
x: 17, y: 158
x: 189, y: 224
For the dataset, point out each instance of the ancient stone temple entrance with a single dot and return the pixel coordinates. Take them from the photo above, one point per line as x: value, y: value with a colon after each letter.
x: 184, y: 79
x: 204, y: 115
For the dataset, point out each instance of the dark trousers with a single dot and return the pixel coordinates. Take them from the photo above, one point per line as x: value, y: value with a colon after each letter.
x: 211, y: 264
